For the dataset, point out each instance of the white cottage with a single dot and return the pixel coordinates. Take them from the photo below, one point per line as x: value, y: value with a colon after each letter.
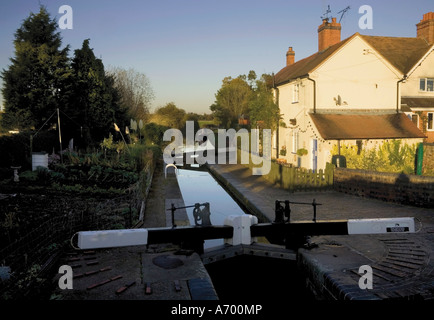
x: 349, y: 91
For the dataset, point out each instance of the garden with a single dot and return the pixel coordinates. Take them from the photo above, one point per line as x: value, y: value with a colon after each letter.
x: 97, y: 189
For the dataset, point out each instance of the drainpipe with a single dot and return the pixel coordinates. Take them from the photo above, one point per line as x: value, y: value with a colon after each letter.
x: 398, y: 96
x: 314, y: 93
x: 278, y: 118
x: 278, y: 125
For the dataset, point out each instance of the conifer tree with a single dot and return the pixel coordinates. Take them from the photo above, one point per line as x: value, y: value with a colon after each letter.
x: 94, y: 99
x: 35, y: 83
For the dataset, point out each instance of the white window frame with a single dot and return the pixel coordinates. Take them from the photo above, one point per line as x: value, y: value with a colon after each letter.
x: 425, y: 84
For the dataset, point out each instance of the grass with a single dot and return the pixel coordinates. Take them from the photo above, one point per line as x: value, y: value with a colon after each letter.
x: 205, y: 123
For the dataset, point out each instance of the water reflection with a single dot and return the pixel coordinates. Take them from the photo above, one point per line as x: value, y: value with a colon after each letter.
x: 200, y: 187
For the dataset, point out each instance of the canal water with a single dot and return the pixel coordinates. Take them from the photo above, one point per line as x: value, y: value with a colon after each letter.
x: 250, y: 278
x: 200, y: 187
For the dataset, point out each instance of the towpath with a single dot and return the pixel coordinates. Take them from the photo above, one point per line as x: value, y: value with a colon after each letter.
x: 402, y: 263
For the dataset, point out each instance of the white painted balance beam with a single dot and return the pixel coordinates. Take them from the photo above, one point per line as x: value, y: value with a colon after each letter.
x: 241, y: 231
x: 112, y: 238
x: 380, y: 225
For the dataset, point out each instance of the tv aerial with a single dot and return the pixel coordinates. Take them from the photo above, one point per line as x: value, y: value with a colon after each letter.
x: 325, y: 16
x: 343, y: 12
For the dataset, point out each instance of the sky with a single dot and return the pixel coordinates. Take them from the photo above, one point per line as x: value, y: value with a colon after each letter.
x: 187, y: 47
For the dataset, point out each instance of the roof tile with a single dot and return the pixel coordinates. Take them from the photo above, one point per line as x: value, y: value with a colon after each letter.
x: 348, y: 126
x: 402, y: 53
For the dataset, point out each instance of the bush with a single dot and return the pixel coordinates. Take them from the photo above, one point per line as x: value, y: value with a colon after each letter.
x: 28, y: 176
x: 153, y: 133
x: 390, y: 156
x: 302, y: 152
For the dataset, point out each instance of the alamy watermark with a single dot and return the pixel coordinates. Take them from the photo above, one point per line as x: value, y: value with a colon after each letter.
x: 366, y: 280
x: 366, y: 21
x: 65, y: 281
x: 65, y: 21
x: 201, y: 147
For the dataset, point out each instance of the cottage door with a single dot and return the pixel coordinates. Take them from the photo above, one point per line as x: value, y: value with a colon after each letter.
x: 314, y: 154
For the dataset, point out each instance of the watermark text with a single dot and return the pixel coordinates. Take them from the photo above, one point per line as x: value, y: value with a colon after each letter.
x: 366, y: 280
x: 65, y: 281
x: 65, y: 21
x: 201, y: 147
x: 366, y: 21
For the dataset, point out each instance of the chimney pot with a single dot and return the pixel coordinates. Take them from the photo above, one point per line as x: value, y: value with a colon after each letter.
x: 328, y: 34
x: 425, y: 28
x: 290, y: 57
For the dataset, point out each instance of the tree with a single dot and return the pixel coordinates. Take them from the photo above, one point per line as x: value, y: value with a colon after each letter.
x: 222, y: 115
x: 191, y: 116
x: 153, y: 133
x: 35, y: 83
x: 262, y: 109
x: 135, y: 91
x: 232, y: 100
x: 251, y: 77
x: 170, y: 116
x: 94, y: 99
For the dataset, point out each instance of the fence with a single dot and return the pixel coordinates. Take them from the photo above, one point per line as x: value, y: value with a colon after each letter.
x: 44, y: 225
x: 295, y: 179
x: 29, y: 257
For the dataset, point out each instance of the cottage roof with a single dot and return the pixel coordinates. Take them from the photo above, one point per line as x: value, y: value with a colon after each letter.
x: 302, y: 67
x: 402, y: 53
x: 377, y: 126
x: 417, y: 102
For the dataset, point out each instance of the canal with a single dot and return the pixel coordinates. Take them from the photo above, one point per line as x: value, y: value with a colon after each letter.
x: 244, y: 278
x: 199, y: 187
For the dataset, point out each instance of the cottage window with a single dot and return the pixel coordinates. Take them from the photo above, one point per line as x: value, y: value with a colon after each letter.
x: 294, y: 142
x: 359, y: 144
x: 415, y: 119
x: 295, y: 93
x: 426, y: 84
x: 430, y: 124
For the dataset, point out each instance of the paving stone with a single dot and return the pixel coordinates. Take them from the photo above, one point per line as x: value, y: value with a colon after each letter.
x: 402, y: 264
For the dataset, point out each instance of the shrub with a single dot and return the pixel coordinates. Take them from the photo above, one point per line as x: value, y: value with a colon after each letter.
x: 43, y: 175
x: 153, y: 133
x: 28, y: 176
x: 302, y: 152
x: 390, y: 156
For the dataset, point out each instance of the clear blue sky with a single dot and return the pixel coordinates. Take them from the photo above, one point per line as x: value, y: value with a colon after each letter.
x: 186, y: 47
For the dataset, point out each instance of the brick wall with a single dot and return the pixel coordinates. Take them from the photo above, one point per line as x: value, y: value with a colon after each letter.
x: 399, y: 188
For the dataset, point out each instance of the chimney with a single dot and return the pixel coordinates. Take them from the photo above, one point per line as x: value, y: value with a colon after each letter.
x: 425, y: 28
x: 328, y: 34
x: 290, y: 57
